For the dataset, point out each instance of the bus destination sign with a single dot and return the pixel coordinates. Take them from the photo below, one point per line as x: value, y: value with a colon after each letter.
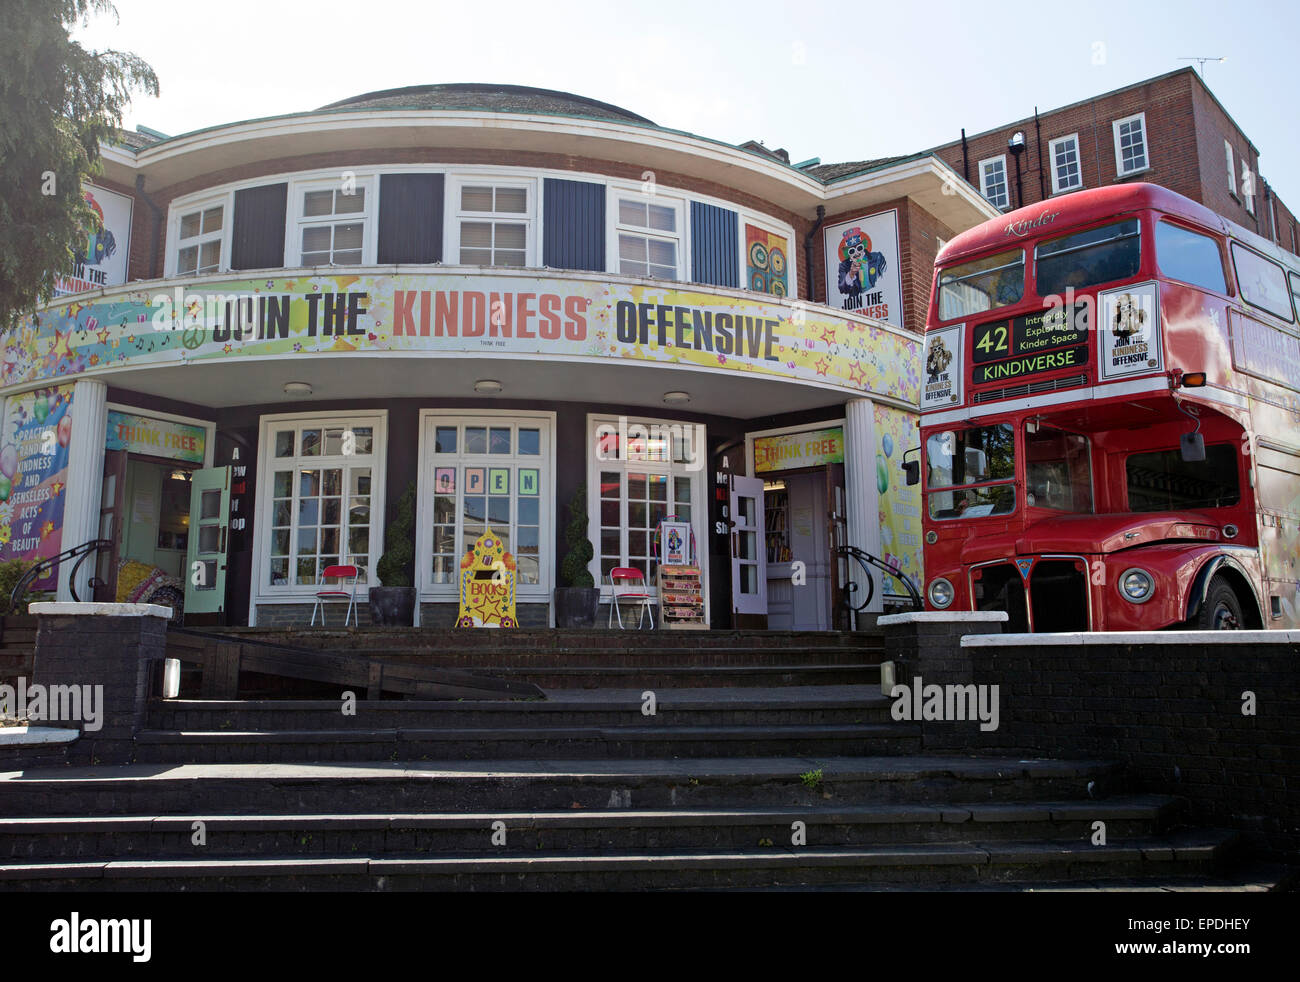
x: 1048, y: 361
x: 1043, y: 330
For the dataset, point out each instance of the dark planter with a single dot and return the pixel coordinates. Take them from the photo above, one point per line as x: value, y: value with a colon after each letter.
x: 576, y: 606
x: 392, y: 606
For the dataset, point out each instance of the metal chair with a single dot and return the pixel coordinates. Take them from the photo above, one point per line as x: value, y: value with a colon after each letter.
x: 338, y: 573
x: 632, y: 581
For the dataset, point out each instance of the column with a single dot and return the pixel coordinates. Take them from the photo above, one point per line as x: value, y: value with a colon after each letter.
x: 862, y: 497
x: 81, y: 501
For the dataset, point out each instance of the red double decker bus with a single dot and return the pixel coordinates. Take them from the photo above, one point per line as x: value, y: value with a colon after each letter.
x: 1110, y: 419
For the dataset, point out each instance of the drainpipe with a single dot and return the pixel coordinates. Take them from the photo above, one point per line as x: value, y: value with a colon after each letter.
x: 808, y: 250
x: 157, y: 223
x: 965, y: 161
x: 1038, y: 143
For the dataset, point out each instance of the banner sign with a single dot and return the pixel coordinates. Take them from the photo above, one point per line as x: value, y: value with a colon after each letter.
x: 101, y: 260
x: 487, y: 585
x: 863, y: 270
x: 789, y: 451
x: 34, y: 437
x: 480, y: 313
x: 155, y: 437
x: 900, y: 505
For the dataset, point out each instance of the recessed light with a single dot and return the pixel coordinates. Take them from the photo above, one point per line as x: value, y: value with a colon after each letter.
x: 677, y: 398
x: 487, y: 385
x: 297, y: 388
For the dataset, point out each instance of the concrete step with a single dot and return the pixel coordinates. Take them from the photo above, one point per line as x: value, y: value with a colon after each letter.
x: 540, y: 742
x: 530, y: 784
x: 1184, y: 856
x: 593, y: 832
x: 562, y: 707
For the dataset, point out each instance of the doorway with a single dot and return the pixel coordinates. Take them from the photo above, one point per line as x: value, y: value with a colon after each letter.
x: 797, y: 523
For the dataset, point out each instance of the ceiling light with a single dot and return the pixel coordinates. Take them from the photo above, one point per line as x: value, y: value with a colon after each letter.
x: 487, y: 385
x: 297, y: 388
x: 677, y: 398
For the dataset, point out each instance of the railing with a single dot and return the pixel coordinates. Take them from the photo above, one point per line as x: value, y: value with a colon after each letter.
x: 849, y: 589
x: 52, y: 563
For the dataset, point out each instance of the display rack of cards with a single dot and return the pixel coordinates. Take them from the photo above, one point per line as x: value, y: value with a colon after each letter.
x: 681, y: 599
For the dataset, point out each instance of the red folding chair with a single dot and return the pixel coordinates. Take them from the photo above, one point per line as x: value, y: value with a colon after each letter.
x: 632, y: 582
x: 339, y: 574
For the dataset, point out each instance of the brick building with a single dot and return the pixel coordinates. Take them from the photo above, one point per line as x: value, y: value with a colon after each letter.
x: 1169, y: 130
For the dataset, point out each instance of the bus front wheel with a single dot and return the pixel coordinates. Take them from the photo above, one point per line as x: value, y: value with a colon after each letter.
x: 1221, y: 610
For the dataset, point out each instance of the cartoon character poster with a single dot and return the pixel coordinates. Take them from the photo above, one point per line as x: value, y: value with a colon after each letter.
x: 900, y: 505
x: 863, y: 267
x: 101, y: 258
x: 767, y: 257
x: 34, y: 437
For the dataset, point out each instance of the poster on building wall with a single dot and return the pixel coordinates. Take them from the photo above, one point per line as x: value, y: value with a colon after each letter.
x: 767, y: 259
x: 863, y: 267
x: 101, y: 258
x: 34, y: 435
x: 900, y: 505
x: 541, y: 315
x: 155, y: 437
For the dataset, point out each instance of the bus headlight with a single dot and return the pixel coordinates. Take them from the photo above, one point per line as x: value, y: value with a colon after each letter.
x: 1137, y: 586
x: 940, y: 592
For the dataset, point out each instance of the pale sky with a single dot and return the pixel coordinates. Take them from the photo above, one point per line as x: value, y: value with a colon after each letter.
x: 835, y: 80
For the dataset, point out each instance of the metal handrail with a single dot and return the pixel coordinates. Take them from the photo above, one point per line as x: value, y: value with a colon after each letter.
x: 52, y: 563
x: 866, y: 560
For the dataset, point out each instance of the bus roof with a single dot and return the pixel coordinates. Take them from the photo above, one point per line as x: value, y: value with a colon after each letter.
x: 1094, y: 204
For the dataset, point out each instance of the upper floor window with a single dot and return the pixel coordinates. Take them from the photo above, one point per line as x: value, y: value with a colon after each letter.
x: 1131, y: 144
x: 993, y: 181
x: 1232, y: 168
x: 494, y: 222
x: 649, y: 234
x: 1248, y: 187
x: 1067, y: 174
x: 199, y: 240
x: 332, y: 226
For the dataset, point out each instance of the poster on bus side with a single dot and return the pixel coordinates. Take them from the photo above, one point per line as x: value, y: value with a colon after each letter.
x: 1129, y: 322
x: 863, y: 272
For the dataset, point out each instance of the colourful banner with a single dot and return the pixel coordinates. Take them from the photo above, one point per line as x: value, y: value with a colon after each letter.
x: 34, y: 437
x: 790, y: 451
x: 101, y: 257
x: 155, y: 437
x: 484, y: 313
x: 767, y: 260
x: 900, y: 505
x: 864, y: 267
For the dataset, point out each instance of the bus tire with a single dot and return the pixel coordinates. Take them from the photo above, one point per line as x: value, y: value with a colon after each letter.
x: 1221, y: 610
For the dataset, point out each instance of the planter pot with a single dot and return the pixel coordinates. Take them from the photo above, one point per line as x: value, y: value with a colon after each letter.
x: 392, y: 606
x: 576, y: 606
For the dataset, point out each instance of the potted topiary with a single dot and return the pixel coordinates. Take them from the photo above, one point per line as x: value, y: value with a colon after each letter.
x: 578, y: 599
x: 393, y: 604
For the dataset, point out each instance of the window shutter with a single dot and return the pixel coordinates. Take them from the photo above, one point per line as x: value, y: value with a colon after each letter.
x: 410, y: 218
x: 258, y: 235
x: 715, y: 249
x: 573, y: 216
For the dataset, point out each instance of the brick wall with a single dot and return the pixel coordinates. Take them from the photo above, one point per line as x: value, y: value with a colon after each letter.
x: 1213, y: 129
x: 1170, y: 707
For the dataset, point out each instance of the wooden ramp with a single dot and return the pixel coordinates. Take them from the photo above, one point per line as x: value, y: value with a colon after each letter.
x: 222, y: 658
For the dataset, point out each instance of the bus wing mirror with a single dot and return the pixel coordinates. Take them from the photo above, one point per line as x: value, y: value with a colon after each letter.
x: 1191, y: 447
x: 912, y: 468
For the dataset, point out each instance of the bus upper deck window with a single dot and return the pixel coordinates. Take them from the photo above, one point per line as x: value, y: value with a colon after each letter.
x: 1083, y: 259
x: 982, y: 284
x: 1189, y: 256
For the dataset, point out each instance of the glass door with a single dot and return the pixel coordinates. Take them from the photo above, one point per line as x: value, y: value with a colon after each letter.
x: 205, y: 566
x: 748, y: 562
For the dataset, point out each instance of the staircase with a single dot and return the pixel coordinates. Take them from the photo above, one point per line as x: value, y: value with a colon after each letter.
x: 770, y: 761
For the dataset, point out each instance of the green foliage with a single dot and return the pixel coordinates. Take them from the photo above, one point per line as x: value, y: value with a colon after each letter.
x: 10, y: 573
x: 573, y: 568
x: 812, y: 780
x: 398, y: 562
x: 59, y: 101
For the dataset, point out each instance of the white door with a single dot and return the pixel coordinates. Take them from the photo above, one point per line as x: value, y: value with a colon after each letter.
x: 811, y: 599
x: 748, y: 559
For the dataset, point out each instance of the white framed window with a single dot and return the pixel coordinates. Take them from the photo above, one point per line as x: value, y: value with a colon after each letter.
x: 993, y: 181
x: 1232, y: 168
x: 640, y: 472
x: 647, y: 236
x: 494, y: 221
x: 1248, y: 187
x: 479, y: 471
x: 333, y: 223
x: 199, y: 236
x: 767, y: 258
x: 320, y: 499
x: 1067, y: 172
x: 1131, y: 144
